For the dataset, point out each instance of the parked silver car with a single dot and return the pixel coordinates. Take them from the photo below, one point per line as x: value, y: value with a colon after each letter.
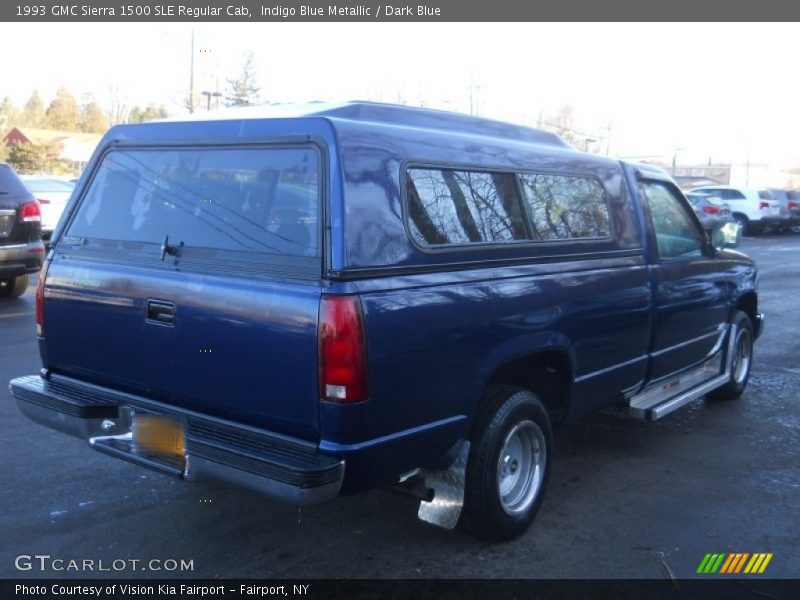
x: 790, y: 206
x: 52, y: 193
x: 716, y: 216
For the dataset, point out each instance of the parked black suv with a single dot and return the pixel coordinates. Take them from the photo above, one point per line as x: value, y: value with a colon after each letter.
x: 21, y: 248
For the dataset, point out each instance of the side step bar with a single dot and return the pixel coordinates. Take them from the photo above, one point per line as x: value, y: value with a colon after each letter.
x: 660, y: 399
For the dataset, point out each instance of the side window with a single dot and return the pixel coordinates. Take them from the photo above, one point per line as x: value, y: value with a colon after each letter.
x: 677, y: 235
x: 565, y: 207
x: 732, y: 195
x: 765, y: 195
x: 463, y: 207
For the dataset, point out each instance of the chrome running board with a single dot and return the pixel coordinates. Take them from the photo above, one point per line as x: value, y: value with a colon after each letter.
x: 660, y: 399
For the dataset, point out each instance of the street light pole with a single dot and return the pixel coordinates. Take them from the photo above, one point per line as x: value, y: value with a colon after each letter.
x: 208, y: 96
x: 675, y: 160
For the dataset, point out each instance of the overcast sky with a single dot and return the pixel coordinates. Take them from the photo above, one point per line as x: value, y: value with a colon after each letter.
x: 698, y: 91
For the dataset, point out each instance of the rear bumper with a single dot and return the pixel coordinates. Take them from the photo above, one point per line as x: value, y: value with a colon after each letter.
x: 18, y: 259
x: 772, y: 221
x: 283, y: 468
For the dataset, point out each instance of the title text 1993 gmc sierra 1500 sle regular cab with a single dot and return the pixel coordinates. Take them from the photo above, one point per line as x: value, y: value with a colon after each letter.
x: 323, y: 299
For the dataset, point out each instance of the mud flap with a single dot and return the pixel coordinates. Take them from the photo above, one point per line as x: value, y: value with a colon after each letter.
x: 448, y: 486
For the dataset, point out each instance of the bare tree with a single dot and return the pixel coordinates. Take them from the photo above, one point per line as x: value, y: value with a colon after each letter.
x: 242, y: 90
x: 562, y: 123
x: 117, y: 106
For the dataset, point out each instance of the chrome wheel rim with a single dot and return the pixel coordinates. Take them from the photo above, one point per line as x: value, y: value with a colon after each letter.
x: 520, y: 467
x: 741, y: 356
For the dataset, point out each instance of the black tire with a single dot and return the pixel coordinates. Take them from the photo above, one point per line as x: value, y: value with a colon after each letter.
x: 14, y: 287
x: 508, y: 415
x: 744, y: 223
x: 742, y: 359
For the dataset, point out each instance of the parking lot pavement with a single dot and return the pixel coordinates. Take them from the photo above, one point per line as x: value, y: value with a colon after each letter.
x: 626, y: 498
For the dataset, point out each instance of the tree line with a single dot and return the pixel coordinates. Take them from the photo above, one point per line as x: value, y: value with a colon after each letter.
x: 63, y: 113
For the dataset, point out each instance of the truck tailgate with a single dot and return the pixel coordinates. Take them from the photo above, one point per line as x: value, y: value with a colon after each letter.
x: 235, y: 348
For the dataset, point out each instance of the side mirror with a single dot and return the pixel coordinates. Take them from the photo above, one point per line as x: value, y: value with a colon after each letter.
x: 726, y: 235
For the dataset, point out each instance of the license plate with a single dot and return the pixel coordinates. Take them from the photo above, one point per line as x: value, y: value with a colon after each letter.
x: 154, y: 434
x: 6, y: 223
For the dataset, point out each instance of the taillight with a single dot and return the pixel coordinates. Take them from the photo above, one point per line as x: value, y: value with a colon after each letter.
x: 342, y: 350
x: 762, y: 205
x: 29, y: 212
x: 40, y: 299
x: 710, y: 210
x: 793, y: 205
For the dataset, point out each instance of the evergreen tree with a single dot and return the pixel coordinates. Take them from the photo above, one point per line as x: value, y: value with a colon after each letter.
x: 63, y: 113
x: 10, y: 116
x: 29, y: 158
x: 92, y: 117
x: 149, y: 113
x: 33, y: 114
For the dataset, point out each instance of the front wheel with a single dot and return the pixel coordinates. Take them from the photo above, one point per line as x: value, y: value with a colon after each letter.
x: 509, y: 464
x: 741, y: 361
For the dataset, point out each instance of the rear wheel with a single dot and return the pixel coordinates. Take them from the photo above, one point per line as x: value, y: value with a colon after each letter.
x: 14, y: 287
x: 741, y: 361
x: 508, y: 466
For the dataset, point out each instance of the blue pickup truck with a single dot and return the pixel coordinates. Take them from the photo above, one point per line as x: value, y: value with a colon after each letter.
x: 317, y: 300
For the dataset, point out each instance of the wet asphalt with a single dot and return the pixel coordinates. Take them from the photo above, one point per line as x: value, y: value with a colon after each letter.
x: 625, y: 499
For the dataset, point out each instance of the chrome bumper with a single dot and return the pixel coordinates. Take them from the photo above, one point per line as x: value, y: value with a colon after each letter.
x: 18, y: 259
x: 283, y: 468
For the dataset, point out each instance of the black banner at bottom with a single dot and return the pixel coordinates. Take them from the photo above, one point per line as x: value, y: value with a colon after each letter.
x: 390, y: 589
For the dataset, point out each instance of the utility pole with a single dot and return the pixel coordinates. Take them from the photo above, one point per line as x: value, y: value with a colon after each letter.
x: 607, y: 129
x: 747, y: 166
x: 472, y: 89
x: 191, y: 76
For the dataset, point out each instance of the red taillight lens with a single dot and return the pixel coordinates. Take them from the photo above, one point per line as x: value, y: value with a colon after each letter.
x: 40, y: 299
x: 793, y: 205
x: 29, y: 212
x: 342, y: 350
x: 710, y: 210
x: 763, y: 204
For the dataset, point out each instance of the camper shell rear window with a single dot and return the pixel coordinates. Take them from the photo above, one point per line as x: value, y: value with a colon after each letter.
x: 256, y: 200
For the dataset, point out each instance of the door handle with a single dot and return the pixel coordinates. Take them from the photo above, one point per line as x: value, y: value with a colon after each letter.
x: 161, y: 311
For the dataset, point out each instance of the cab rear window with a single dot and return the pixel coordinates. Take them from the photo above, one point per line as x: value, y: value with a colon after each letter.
x: 262, y: 200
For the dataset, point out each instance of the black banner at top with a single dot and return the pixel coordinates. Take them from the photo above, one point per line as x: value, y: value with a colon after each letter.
x: 395, y: 10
